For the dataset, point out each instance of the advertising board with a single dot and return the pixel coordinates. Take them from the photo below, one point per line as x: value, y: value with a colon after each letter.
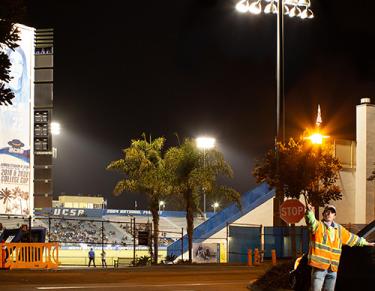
x: 206, y: 252
x: 16, y: 123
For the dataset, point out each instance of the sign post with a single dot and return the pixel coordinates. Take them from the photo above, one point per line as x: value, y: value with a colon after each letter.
x: 292, y: 211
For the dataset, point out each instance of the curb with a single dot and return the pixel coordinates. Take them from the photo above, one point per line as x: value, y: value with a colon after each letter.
x: 254, y: 287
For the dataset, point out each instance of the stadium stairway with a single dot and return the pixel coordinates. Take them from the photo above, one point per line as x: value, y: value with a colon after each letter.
x: 249, y: 201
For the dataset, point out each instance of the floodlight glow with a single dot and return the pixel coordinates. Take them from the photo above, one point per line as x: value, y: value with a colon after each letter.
x: 242, y: 6
x: 255, y: 8
x: 293, y: 8
x: 295, y: 11
x: 291, y: 2
x: 310, y: 14
x: 270, y: 8
x: 55, y: 128
x: 305, y: 3
x: 317, y: 138
x: 205, y: 143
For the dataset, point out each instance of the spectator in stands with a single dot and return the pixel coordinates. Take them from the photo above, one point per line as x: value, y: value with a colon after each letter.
x: 91, y: 257
x: 104, y: 256
x: 25, y: 234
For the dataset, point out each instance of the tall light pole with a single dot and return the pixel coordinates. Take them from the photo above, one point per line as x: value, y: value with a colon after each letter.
x: 292, y: 8
x: 205, y: 143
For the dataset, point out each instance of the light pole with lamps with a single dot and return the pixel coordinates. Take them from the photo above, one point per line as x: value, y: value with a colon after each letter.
x: 292, y: 8
x: 205, y: 143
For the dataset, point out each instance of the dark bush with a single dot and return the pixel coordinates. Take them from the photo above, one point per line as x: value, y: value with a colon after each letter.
x: 142, y: 261
x: 275, y: 278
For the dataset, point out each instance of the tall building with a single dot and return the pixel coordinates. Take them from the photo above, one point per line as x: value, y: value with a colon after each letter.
x: 43, y: 112
x: 365, y: 190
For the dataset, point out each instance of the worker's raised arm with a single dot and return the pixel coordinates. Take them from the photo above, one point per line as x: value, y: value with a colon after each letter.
x: 311, y: 221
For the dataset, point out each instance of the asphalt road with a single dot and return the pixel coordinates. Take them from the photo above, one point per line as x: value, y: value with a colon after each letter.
x: 170, y: 277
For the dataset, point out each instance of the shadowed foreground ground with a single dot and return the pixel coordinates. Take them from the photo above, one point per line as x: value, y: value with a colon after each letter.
x: 169, y: 277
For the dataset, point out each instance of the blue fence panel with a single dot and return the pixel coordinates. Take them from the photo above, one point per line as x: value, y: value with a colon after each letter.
x: 240, y: 240
x: 280, y: 239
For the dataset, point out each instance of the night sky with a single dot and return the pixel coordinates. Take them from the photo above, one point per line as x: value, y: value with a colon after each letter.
x: 196, y: 67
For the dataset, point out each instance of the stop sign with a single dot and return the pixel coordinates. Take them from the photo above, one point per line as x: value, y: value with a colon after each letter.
x: 292, y: 211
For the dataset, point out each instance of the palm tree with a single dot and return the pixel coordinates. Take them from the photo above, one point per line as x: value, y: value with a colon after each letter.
x: 17, y: 192
x: 11, y: 12
x: 6, y: 195
x: 144, y: 172
x: 189, y: 174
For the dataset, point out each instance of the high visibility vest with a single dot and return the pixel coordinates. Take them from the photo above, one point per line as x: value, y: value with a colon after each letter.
x: 324, y: 253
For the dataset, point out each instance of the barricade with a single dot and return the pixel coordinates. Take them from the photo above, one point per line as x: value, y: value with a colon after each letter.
x: 256, y: 257
x: 273, y: 252
x: 29, y: 255
x: 249, y: 257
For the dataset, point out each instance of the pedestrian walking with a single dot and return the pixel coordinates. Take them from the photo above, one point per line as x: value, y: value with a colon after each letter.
x: 92, y: 257
x: 104, y: 256
x: 326, y: 240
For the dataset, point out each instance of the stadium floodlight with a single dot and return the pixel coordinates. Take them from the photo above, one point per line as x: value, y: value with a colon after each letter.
x: 55, y: 128
x: 205, y: 143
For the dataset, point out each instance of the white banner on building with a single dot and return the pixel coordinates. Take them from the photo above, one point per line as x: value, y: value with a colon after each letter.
x: 16, y: 134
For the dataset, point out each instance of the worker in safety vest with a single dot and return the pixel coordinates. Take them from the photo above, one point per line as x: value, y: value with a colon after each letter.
x: 326, y: 240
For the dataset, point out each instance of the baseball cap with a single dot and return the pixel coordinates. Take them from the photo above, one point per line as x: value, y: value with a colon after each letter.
x: 330, y: 207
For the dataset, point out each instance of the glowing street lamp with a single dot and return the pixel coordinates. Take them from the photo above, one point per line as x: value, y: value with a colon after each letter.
x: 215, y: 205
x: 161, y: 205
x: 317, y: 138
x: 205, y: 143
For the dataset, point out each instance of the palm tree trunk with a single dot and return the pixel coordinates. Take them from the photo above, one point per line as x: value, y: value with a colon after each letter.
x: 190, y: 221
x: 155, y: 220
